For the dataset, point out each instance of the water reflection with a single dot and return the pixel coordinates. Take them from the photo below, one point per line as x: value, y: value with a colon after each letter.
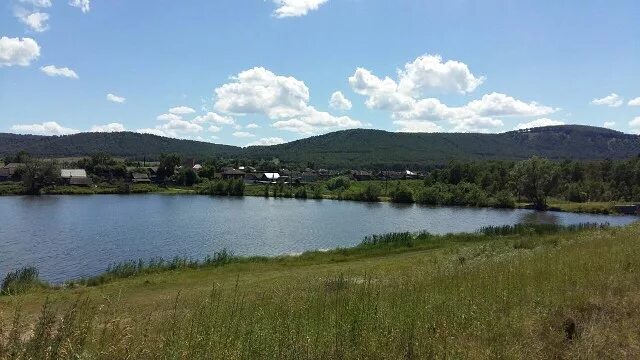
x: 72, y: 236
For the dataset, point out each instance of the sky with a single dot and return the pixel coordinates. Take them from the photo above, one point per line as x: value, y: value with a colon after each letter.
x: 245, y: 72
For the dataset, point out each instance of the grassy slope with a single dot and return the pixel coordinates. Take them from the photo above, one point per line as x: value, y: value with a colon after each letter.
x: 511, y: 297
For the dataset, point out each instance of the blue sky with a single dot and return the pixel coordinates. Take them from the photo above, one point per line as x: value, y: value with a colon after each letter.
x: 252, y: 71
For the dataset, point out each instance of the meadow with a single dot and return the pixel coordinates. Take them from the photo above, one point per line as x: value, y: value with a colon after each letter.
x: 523, y: 292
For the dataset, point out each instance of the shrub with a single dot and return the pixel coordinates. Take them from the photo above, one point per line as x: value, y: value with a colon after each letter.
x: 401, y: 194
x: 504, y: 199
x: 19, y: 281
x: 434, y: 195
x: 339, y: 183
x: 370, y: 193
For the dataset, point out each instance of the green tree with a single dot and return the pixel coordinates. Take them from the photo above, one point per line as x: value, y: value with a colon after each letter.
x: 535, y: 179
x: 167, y: 166
x: 38, y: 174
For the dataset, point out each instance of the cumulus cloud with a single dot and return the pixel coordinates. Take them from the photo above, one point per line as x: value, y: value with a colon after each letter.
x: 179, y: 128
x: 168, y: 117
x: 151, y: 131
x: 52, y: 70
x: 112, y: 127
x: 115, y: 98
x: 253, y: 126
x: 37, y: 3
x: 339, y: 102
x: 538, y: 123
x: 181, y: 110
x: 635, y: 125
x: 83, y: 5
x: 46, y: 128
x: 36, y: 21
x: 634, y: 102
x: 609, y: 124
x: 214, y: 129
x: 283, y: 99
x: 18, y: 51
x: 428, y: 73
x: 409, y: 110
x: 214, y: 118
x: 612, y: 100
x: 259, y: 91
x: 294, y: 8
x: 416, y: 126
x: 243, y: 134
x: 496, y: 104
x: 267, y: 141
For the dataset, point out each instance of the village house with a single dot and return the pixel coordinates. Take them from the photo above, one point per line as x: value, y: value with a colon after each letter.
x: 140, y: 178
x: 8, y: 171
x: 269, y: 178
x: 233, y: 174
x: 361, y: 175
x: 77, y: 177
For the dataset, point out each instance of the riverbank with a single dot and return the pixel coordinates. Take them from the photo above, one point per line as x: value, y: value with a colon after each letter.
x: 12, y: 188
x: 563, y: 294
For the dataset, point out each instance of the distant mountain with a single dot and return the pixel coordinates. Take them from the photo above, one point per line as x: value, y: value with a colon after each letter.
x: 357, y: 148
x: 382, y: 149
x: 125, y: 144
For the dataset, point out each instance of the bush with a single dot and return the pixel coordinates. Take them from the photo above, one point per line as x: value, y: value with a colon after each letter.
x: 434, y: 195
x: 339, y: 183
x: 19, y: 281
x: 224, y: 188
x: 370, y: 193
x: 504, y: 199
x: 401, y: 194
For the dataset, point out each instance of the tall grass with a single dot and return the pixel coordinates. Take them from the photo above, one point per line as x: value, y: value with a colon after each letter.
x: 20, y: 281
x: 575, y: 300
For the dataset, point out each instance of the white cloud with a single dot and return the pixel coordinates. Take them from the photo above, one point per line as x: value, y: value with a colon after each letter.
x: 339, y: 102
x: 116, y: 98
x: 294, y: 125
x: 83, y: 5
x: 416, y: 126
x: 157, y: 132
x: 212, y: 117
x: 293, y: 8
x: 113, y: 127
x: 609, y: 124
x: 182, y: 110
x: 267, y: 141
x: 538, y: 123
x: 258, y: 90
x: 52, y: 70
x: 242, y: 134
x: 253, y: 126
x: 38, y: 3
x: 214, y: 129
x: 280, y: 98
x: 635, y: 125
x: 36, y: 21
x: 168, y: 117
x: 179, y: 128
x: 634, y: 102
x: 428, y: 73
x: 17, y: 51
x: 46, y: 128
x: 612, y: 100
x: 496, y: 104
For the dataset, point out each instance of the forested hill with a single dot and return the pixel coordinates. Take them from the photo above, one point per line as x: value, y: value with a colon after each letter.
x: 125, y: 144
x: 358, y: 148
x: 379, y: 149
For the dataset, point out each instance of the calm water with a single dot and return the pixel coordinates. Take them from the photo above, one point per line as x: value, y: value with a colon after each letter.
x: 68, y: 237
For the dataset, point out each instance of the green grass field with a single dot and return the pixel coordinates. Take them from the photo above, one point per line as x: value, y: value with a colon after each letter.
x: 570, y: 294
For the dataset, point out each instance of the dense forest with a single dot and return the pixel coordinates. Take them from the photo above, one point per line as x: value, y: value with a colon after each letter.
x: 352, y: 149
